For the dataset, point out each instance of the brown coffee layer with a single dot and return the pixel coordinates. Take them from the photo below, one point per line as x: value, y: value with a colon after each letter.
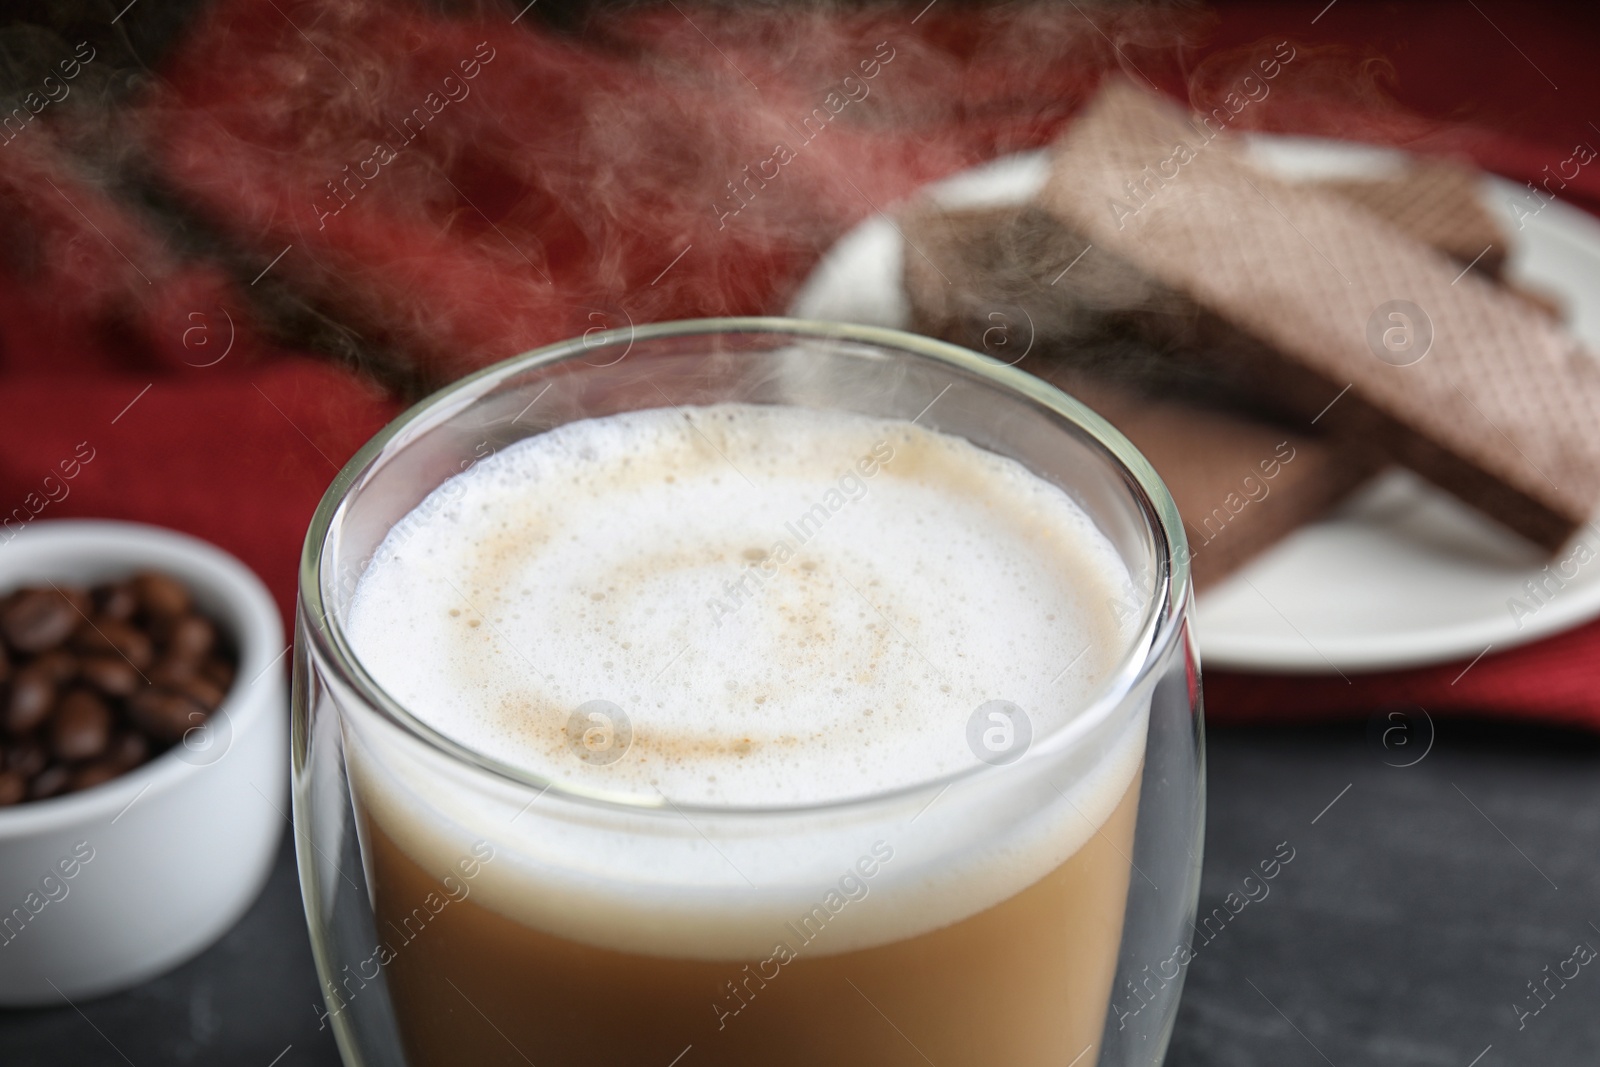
x: 1025, y: 983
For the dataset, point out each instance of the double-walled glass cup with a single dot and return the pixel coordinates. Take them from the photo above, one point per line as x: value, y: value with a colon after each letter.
x: 1033, y: 908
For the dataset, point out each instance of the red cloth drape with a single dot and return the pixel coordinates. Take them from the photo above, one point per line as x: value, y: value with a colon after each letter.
x: 458, y: 189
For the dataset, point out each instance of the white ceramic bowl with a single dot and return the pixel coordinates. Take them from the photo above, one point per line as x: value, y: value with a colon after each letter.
x: 102, y: 889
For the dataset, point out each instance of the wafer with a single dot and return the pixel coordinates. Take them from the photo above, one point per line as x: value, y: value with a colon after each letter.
x: 1241, y: 482
x: 1338, y: 317
x: 1437, y: 202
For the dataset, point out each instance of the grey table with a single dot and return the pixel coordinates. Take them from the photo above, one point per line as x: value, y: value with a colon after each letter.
x: 1420, y: 903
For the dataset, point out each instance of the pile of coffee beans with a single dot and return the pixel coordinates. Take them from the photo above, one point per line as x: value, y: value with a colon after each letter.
x: 94, y: 682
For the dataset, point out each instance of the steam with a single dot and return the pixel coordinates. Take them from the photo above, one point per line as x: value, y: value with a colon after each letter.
x: 690, y: 163
x: 447, y: 190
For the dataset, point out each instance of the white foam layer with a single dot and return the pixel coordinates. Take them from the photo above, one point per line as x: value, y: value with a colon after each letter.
x: 788, y: 606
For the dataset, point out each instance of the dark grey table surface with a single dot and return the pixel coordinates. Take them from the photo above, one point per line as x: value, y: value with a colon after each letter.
x: 1421, y: 902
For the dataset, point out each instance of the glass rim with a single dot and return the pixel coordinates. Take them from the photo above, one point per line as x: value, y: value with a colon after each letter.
x: 1162, y: 624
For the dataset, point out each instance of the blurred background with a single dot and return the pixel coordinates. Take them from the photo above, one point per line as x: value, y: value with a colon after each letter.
x: 238, y: 236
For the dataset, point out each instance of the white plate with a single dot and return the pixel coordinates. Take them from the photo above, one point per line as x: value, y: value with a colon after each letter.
x: 1402, y: 574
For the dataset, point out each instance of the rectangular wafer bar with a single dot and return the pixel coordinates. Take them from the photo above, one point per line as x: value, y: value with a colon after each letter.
x: 1438, y: 203
x: 1347, y: 322
x: 1241, y: 484
x: 1442, y: 204
x: 981, y: 279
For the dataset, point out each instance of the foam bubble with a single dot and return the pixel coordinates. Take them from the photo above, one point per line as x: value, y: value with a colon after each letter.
x: 764, y: 605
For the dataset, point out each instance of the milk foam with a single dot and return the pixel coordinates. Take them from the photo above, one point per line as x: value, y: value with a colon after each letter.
x: 789, y: 606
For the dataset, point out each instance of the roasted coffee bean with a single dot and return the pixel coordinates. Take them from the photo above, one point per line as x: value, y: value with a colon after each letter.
x: 33, y: 692
x: 112, y: 675
x: 49, y: 782
x: 81, y: 727
x: 102, y: 635
x: 163, y: 714
x: 61, y: 665
x: 38, y: 619
x: 26, y: 757
x: 115, y: 600
x: 93, y: 682
x: 90, y: 639
x: 161, y: 596
x: 190, y: 638
x: 219, y: 672
x: 92, y: 774
x: 171, y: 672
x: 135, y: 645
x: 201, y: 692
x: 128, y: 749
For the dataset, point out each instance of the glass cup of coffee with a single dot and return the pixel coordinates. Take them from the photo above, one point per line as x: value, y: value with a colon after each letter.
x: 748, y: 691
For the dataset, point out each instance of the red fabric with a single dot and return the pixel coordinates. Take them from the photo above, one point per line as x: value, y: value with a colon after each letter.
x: 240, y: 458
x: 551, y: 186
